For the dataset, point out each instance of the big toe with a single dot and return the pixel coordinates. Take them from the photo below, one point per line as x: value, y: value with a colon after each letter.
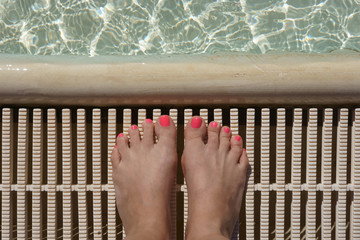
x: 115, y: 157
x: 195, y: 130
x: 165, y: 130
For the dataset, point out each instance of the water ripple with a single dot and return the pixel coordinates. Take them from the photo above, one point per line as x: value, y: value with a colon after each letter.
x: 142, y: 27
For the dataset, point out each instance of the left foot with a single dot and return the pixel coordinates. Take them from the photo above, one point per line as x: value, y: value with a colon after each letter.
x: 215, y: 173
x: 143, y: 174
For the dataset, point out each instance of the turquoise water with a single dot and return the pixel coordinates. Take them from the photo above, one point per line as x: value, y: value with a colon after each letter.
x: 159, y: 27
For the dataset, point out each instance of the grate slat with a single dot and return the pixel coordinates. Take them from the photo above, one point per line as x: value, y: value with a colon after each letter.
x: 218, y: 115
x: 280, y: 174
x: 311, y: 172
x: 96, y: 172
x: 296, y: 174
x: 81, y: 173
x: 265, y: 173
x: 156, y: 114
x: 66, y: 173
x: 250, y: 148
x: 52, y: 174
x: 173, y: 114
x: 111, y: 213
x: 6, y: 154
x: 326, y: 159
x: 21, y: 173
x: 141, y: 118
x: 341, y: 173
x: 204, y: 114
x: 36, y: 173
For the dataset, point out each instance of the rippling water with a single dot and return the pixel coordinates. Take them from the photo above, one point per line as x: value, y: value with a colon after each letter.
x: 153, y: 27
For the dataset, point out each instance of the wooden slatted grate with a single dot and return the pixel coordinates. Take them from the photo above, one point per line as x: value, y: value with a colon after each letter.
x: 304, y: 179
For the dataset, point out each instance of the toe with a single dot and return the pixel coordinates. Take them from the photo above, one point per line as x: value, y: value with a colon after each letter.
x: 225, y: 135
x: 236, y: 149
x: 122, y: 143
x: 165, y: 130
x: 195, y: 130
x: 115, y: 157
x: 134, y: 136
x: 244, y: 161
x: 148, y: 136
x: 213, y: 135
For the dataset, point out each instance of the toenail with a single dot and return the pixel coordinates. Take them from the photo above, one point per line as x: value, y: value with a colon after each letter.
x: 165, y: 121
x: 120, y: 135
x: 196, y: 122
x: 114, y: 146
x: 237, y: 138
x: 148, y: 120
x: 214, y: 124
x: 244, y: 150
x: 133, y: 127
x: 226, y: 129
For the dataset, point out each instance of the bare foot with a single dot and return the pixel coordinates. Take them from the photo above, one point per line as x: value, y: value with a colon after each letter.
x: 143, y: 174
x: 215, y: 173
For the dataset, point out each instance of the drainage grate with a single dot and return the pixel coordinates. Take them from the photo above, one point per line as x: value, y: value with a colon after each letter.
x: 304, y: 179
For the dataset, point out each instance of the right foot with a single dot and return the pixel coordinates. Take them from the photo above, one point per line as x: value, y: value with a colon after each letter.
x: 215, y: 173
x: 143, y: 174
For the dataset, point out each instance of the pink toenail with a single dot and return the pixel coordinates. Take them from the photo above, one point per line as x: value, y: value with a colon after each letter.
x: 148, y: 120
x: 244, y: 150
x: 133, y: 127
x: 120, y: 135
x: 214, y: 124
x: 196, y: 122
x: 165, y: 121
x: 237, y: 138
x: 226, y: 129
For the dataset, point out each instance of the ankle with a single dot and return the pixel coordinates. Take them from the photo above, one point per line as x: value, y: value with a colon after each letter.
x: 198, y: 230
x: 208, y: 223
x: 149, y: 229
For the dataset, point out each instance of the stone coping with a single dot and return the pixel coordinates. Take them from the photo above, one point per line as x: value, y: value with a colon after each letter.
x: 295, y: 79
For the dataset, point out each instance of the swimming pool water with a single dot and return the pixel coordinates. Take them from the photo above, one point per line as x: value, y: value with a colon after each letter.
x: 157, y: 27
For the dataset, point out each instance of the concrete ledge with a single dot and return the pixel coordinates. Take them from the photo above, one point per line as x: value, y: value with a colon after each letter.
x: 236, y: 79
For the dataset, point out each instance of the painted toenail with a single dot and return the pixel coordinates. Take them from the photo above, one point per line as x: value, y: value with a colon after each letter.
x: 237, y: 138
x: 165, y: 121
x: 226, y: 129
x: 196, y: 122
x: 133, y: 127
x: 214, y: 124
x: 244, y: 150
x: 148, y: 120
x: 120, y: 135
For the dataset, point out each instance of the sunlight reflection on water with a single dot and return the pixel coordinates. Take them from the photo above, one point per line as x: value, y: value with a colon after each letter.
x: 142, y: 27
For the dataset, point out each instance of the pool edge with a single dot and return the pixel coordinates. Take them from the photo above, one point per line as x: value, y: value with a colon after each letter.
x: 234, y: 79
